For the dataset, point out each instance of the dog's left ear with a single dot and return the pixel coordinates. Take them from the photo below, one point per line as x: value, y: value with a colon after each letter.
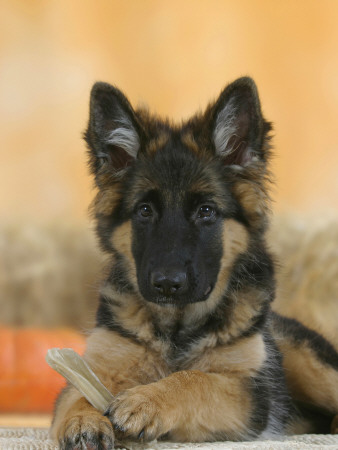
x: 238, y: 127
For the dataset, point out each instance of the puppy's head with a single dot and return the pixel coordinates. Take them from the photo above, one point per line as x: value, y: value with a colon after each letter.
x: 177, y: 205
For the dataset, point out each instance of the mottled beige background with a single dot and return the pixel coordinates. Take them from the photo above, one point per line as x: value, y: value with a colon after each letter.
x: 175, y: 56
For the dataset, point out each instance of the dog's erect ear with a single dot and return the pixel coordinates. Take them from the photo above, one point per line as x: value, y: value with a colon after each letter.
x: 238, y: 127
x: 113, y: 133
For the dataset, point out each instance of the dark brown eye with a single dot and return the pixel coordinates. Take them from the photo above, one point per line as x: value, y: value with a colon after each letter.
x: 145, y: 210
x: 205, y: 211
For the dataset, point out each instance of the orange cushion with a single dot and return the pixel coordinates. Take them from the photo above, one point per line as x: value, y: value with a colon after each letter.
x: 27, y: 383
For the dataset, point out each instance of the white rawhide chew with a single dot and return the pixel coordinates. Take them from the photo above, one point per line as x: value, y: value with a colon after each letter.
x: 71, y: 366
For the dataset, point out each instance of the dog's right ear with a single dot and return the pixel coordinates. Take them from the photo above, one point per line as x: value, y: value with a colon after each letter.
x: 113, y: 133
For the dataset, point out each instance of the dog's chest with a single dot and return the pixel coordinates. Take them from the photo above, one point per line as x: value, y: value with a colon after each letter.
x: 181, y: 349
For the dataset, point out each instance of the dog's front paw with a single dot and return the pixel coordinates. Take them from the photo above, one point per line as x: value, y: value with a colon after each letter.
x: 140, y: 413
x: 86, y: 431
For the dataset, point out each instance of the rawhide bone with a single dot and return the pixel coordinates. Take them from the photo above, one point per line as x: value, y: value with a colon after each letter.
x: 75, y: 369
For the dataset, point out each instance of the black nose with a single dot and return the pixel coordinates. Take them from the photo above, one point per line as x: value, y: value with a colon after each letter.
x: 168, y: 283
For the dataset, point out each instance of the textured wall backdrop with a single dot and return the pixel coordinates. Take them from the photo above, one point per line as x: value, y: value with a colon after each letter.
x: 174, y: 56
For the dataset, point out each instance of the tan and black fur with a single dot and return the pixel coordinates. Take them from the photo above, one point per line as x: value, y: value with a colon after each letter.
x: 185, y: 337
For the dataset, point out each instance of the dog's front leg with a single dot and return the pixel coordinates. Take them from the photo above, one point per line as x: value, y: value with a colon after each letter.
x: 185, y: 406
x: 120, y: 364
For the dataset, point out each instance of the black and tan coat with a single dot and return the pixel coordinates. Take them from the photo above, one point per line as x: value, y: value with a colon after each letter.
x: 185, y: 338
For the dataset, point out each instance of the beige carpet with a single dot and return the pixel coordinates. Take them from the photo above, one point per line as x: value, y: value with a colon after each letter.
x: 37, y: 438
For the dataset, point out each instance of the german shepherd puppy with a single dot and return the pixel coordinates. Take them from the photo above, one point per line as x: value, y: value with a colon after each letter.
x: 185, y: 337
